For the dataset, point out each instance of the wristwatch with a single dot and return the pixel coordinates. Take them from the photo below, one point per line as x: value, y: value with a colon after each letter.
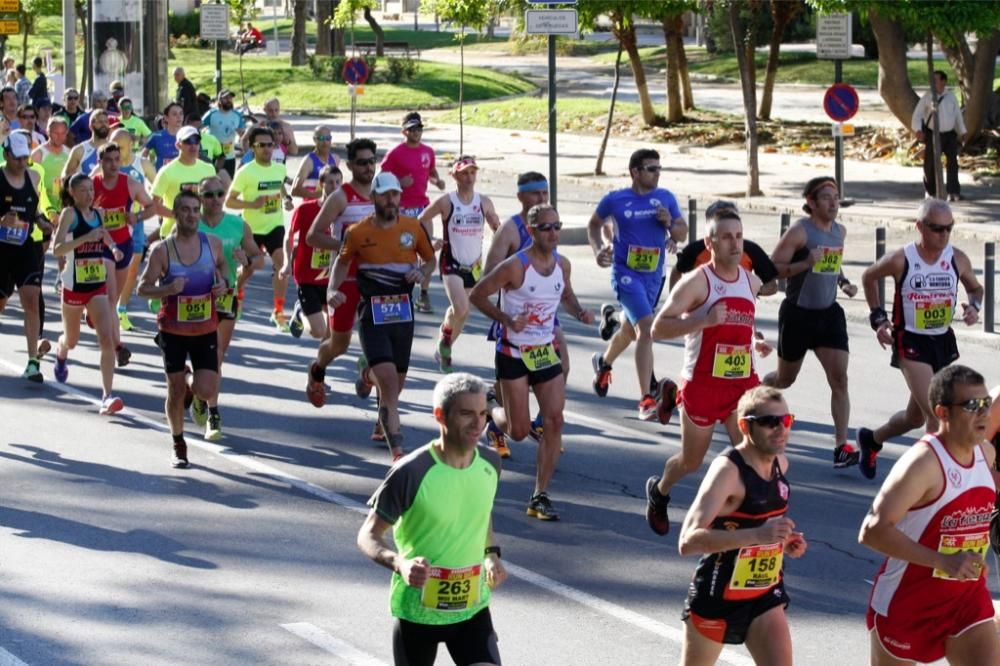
x: 492, y: 550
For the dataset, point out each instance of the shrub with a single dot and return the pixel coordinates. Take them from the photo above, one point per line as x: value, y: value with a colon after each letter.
x: 184, y: 24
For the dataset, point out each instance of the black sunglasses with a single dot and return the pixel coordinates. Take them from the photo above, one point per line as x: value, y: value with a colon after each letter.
x: 213, y: 194
x: 548, y: 226
x: 974, y: 405
x: 264, y: 145
x: 772, y: 420
x: 940, y: 228
x: 192, y: 141
x: 651, y: 168
x: 366, y: 162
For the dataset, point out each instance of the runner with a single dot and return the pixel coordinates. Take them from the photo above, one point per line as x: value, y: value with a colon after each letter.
x: 532, y: 284
x: 82, y: 238
x: 646, y: 223
x: 227, y: 126
x: 926, y: 273
x: 344, y: 208
x: 21, y: 257
x: 810, y: 255
x: 52, y: 157
x: 413, y: 163
x: 713, y: 307
x: 258, y: 189
x: 463, y: 214
x: 114, y: 194
x: 186, y: 271
x: 280, y: 153
x: 931, y: 519
x: 385, y: 246
x: 136, y: 126
x: 738, y: 523
x: 306, y: 184
x: 182, y: 174
x: 211, y: 151
x: 309, y: 265
x: 438, y: 501
x: 512, y: 237
x: 162, y: 147
x: 83, y: 156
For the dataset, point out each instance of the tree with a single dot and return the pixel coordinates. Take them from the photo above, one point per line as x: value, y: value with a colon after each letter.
x: 376, y: 30
x: 299, y: 54
x: 671, y: 16
x: 30, y: 11
x: 324, y: 9
x: 740, y: 38
x: 599, y: 166
x: 782, y: 13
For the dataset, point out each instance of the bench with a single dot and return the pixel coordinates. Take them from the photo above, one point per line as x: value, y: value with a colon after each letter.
x: 389, y: 49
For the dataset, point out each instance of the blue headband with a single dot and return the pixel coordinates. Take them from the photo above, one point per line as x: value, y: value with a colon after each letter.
x: 533, y: 186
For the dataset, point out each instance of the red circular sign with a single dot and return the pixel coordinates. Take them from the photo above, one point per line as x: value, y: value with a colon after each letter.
x: 355, y: 71
x: 840, y: 102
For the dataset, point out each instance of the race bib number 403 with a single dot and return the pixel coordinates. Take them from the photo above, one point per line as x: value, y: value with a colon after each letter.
x: 731, y: 362
x: 452, y: 590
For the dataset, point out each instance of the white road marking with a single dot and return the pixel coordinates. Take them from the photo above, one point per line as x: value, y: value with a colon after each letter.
x: 332, y: 644
x: 7, y: 659
x: 672, y: 634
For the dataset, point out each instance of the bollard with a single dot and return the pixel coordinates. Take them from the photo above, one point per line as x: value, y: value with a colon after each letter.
x: 879, y: 251
x: 988, y: 297
x: 692, y: 219
x: 786, y: 221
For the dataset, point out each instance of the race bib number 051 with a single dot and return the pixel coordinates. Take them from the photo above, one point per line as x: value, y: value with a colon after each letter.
x: 194, y: 309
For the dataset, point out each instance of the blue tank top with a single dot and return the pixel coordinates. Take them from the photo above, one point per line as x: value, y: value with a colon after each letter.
x: 523, y: 235
x: 191, y: 312
x: 318, y: 164
x: 89, y: 161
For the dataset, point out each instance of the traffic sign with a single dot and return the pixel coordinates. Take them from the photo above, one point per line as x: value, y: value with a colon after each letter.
x: 355, y: 71
x: 833, y: 36
x: 9, y: 27
x: 840, y: 102
x: 214, y: 21
x: 10, y: 6
x: 551, y: 22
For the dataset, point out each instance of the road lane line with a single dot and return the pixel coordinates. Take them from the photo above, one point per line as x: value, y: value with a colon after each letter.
x: 672, y: 634
x: 332, y: 644
x: 7, y: 659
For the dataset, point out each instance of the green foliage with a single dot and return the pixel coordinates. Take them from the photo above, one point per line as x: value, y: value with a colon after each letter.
x: 949, y: 20
x: 42, y: 7
x: 184, y: 24
x: 347, y: 11
x: 474, y: 14
x: 242, y: 10
x: 395, y: 70
x: 802, y: 27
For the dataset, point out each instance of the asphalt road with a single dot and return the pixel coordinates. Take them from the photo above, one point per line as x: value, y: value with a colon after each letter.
x: 109, y: 556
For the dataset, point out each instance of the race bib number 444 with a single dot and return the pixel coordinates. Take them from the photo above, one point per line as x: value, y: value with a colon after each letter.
x: 962, y: 543
x: 452, y: 590
x: 539, y: 357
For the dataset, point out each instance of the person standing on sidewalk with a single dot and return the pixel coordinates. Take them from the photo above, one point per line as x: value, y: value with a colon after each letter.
x: 952, y: 131
x: 186, y: 94
x: 810, y: 256
x: 412, y: 161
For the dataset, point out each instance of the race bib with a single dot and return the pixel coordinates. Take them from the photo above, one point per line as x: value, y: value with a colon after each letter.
x: 115, y: 219
x: 90, y: 271
x: 643, y: 259
x: 14, y: 235
x: 321, y: 259
x: 391, y: 309
x: 731, y: 362
x: 962, y: 543
x: 193, y: 309
x: 227, y: 148
x: 933, y: 315
x: 830, y: 261
x: 226, y: 303
x: 272, y: 204
x: 477, y: 270
x: 452, y: 589
x: 757, y: 567
x: 539, y: 357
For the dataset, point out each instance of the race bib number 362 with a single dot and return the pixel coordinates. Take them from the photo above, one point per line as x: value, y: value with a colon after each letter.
x: 830, y: 261
x: 452, y: 589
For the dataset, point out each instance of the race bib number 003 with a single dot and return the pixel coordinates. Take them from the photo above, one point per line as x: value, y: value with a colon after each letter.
x: 391, y: 309
x: 731, y: 362
x: 962, y: 543
x: 90, y: 271
x: 830, y: 261
x: 757, y: 567
x: 193, y: 309
x: 643, y: 259
x: 452, y: 590
x: 539, y: 357
x: 930, y: 316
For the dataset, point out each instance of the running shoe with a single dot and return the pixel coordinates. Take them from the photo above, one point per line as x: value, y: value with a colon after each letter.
x: 443, y: 357
x: 110, y: 405
x: 315, y: 391
x: 44, y: 347
x: 124, y: 321
x: 666, y: 400
x: 602, y: 374
x: 280, y: 322
x: 648, y: 408
x: 845, y: 456
x: 869, y: 452
x: 656, y: 507
x: 654, y: 386
x: 295, y: 326
x: 363, y: 384
x: 541, y: 507
x: 180, y: 459
x: 213, y: 429
x: 423, y: 304
x: 122, y: 356
x: 32, y: 372
x: 536, y: 430
x: 199, y: 411
x: 61, y: 370
x: 495, y: 439
x: 609, y: 322
x: 377, y: 434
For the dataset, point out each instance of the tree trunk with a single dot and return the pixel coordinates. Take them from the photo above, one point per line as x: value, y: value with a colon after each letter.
x: 672, y: 24
x: 599, y: 167
x: 461, y: 92
x: 782, y: 13
x: 299, y: 54
x: 81, y: 13
x: 975, y: 77
x: 379, y: 32
x: 893, y: 79
x: 685, y: 77
x: 626, y: 37
x: 323, y: 36
x: 339, y: 45
x: 935, y: 128
x: 962, y: 59
x: 749, y: 98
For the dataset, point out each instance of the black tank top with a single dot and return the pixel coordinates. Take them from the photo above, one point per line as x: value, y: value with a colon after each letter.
x: 23, y: 201
x: 85, y: 270
x: 759, y: 566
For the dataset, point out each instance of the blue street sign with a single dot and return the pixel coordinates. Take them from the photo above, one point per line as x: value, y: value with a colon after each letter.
x: 840, y: 102
x: 355, y: 71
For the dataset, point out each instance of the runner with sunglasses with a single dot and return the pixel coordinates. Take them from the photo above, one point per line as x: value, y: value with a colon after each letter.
x: 714, y: 308
x: 927, y: 273
x: 463, y: 213
x: 739, y: 525
x: 931, y: 518
x: 181, y: 175
x: 306, y: 184
x: 532, y: 284
x: 646, y: 222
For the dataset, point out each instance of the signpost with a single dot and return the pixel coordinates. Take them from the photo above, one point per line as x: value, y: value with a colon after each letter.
x: 9, y: 23
x: 551, y: 22
x: 355, y: 73
x: 215, y: 25
x: 833, y: 42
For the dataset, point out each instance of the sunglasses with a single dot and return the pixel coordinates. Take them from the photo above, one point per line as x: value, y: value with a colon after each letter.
x: 772, y: 421
x: 264, y: 145
x: 940, y: 228
x: 548, y: 226
x: 974, y: 405
x: 192, y: 141
x: 366, y: 162
x: 214, y: 194
x: 417, y: 128
x: 651, y: 168
x: 323, y: 137
x: 126, y: 107
x: 72, y: 98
